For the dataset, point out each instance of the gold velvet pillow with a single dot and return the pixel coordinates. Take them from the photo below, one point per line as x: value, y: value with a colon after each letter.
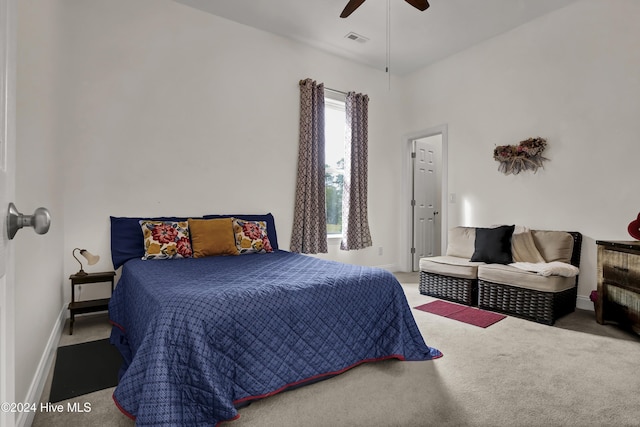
x: 210, y: 237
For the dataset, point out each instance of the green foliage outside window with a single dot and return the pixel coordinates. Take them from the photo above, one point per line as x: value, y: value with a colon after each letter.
x: 334, y: 183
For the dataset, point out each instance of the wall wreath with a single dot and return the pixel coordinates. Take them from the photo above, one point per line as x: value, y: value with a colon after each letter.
x: 527, y: 155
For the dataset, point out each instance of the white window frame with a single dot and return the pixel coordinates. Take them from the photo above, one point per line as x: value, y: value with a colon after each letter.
x: 337, y: 102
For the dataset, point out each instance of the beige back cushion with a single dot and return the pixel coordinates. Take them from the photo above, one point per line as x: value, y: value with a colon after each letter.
x: 462, y: 242
x: 524, y: 249
x: 554, y: 245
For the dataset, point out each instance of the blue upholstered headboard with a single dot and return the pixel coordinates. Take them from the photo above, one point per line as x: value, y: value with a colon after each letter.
x: 127, y: 241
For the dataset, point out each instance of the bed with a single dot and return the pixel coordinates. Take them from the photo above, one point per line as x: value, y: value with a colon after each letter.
x: 202, y: 336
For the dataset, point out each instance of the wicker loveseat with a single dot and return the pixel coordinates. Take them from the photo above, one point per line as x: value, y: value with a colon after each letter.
x: 534, y: 275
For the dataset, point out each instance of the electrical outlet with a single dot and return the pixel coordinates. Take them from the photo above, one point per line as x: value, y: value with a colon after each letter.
x: 380, y: 250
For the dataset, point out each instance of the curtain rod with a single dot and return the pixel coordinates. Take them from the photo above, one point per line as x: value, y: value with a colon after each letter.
x: 328, y: 88
x: 336, y: 91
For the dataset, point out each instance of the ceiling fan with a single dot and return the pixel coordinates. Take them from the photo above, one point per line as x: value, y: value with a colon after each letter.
x: 354, y: 4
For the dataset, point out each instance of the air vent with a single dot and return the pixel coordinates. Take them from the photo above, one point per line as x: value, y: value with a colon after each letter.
x: 356, y: 37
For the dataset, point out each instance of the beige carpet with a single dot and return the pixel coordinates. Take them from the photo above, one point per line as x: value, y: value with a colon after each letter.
x: 514, y: 373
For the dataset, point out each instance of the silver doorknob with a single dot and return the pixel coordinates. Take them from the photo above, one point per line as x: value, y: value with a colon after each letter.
x: 40, y: 220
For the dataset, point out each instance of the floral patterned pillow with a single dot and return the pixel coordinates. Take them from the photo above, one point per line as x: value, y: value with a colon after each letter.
x: 166, y: 239
x: 251, y: 236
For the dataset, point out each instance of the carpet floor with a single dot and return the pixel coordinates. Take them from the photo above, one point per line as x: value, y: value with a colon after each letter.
x: 514, y: 373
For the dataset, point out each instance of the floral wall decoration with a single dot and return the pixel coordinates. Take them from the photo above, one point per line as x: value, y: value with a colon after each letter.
x: 517, y: 158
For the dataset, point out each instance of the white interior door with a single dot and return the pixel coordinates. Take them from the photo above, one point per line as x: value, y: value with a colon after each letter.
x: 7, y: 183
x: 426, y: 199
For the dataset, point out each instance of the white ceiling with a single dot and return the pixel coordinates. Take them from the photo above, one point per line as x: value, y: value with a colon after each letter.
x: 417, y: 38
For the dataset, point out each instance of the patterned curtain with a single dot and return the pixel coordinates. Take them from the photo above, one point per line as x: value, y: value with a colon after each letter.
x: 355, y: 225
x: 309, y: 234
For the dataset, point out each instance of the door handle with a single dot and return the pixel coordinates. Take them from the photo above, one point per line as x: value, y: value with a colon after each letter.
x: 40, y: 220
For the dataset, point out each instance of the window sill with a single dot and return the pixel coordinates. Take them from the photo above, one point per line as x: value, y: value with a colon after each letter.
x: 334, y: 236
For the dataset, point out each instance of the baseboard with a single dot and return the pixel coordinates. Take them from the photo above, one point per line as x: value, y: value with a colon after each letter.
x: 584, y: 303
x: 25, y: 419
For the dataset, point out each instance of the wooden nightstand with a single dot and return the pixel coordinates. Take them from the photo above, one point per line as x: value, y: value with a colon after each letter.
x: 89, y: 306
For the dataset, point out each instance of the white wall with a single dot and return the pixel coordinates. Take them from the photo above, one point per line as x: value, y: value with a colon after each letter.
x: 39, y: 276
x: 152, y: 108
x: 172, y: 111
x: 571, y: 77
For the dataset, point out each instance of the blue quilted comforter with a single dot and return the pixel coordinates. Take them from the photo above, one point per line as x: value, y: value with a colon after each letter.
x: 201, y: 336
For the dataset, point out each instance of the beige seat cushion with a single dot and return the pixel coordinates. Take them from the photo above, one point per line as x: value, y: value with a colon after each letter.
x: 450, y: 266
x: 507, y: 275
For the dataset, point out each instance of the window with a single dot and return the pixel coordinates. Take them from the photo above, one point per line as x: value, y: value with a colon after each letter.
x: 334, y: 119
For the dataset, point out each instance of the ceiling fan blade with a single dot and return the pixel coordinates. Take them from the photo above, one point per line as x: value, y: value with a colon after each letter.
x: 351, y: 7
x: 419, y: 4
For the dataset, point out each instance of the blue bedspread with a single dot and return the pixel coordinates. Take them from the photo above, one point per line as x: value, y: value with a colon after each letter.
x: 199, y: 336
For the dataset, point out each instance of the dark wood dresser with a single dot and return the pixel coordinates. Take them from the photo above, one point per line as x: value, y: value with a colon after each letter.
x: 619, y: 283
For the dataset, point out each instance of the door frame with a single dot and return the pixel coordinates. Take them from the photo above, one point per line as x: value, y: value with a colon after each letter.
x: 8, y: 26
x: 407, y: 211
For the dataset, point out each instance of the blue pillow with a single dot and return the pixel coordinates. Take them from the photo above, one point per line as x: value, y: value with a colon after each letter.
x: 127, y: 241
x: 268, y: 218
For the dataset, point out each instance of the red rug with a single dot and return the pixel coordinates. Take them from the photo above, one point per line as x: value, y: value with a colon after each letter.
x: 462, y: 313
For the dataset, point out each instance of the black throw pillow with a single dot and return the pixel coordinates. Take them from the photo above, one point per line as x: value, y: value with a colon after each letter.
x: 493, y: 245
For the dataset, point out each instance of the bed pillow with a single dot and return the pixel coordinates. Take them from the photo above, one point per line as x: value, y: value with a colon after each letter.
x: 493, y: 245
x: 268, y: 218
x: 212, y: 237
x: 166, y: 239
x: 127, y: 241
x: 251, y: 236
x: 524, y: 249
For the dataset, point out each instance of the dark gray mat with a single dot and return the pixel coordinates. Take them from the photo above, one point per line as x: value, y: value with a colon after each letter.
x: 84, y: 368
